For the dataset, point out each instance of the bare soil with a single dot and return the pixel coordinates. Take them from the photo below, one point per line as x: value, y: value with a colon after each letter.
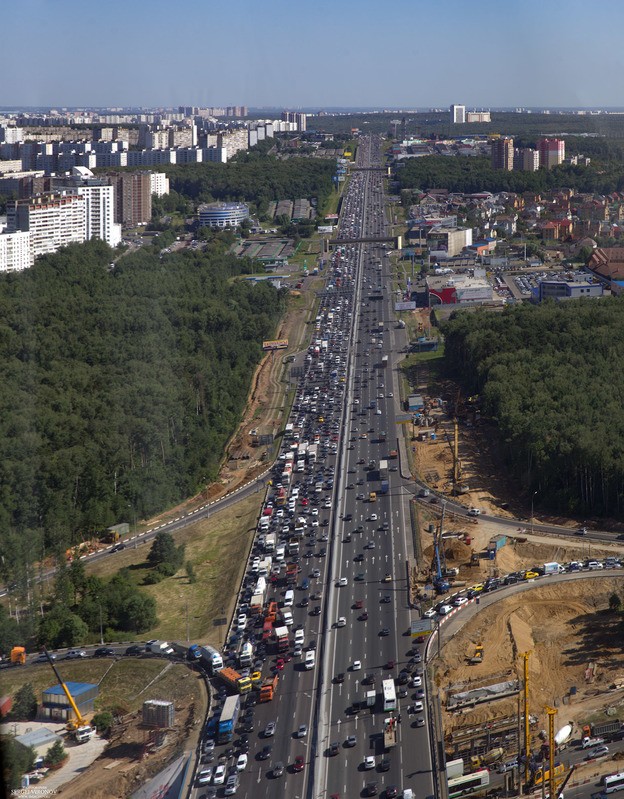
x: 574, y: 641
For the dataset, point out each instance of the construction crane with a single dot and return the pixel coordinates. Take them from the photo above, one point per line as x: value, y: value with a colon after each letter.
x: 552, y: 785
x: 458, y: 484
x: 527, y: 730
x: 440, y: 583
x: 78, y: 727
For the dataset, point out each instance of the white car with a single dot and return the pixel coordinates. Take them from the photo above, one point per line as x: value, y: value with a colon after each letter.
x: 474, y: 512
x: 373, y: 517
x: 357, y: 665
x: 369, y: 762
x: 204, y: 776
x: 378, y: 412
x: 459, y: 601
x: 341, y: 622
x: 390, y: 394
x: 444, y: 609
x: 241, y: 622
x: 241, y: 763
x: 418, y: 707
x: 219, y: 775
x: 416, y: 682
x: 342, y: 581
x: 429, y: 614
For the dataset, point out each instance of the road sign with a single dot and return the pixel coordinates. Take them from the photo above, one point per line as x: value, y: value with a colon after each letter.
x: 421, y: 627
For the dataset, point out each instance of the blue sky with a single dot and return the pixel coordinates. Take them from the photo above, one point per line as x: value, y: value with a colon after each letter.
x: 404, y: 53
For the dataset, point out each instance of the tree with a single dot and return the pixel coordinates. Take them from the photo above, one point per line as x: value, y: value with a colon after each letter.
x: 9, y: 631
x: 102, y: 721
x: 56, y: 754
x: 615, y: 603
x: 190, y: 572
x: 139, y: 613
x: 25, y: 703
x: 165, y: 555
x: 17, y: 760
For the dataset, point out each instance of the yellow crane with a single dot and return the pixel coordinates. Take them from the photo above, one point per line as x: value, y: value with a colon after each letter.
x: 78, y: 726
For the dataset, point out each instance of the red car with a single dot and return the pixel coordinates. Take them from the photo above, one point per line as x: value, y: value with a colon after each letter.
x: 280, y: 664
x: 299, y: 763
x: 304, y: 502
x: 359, y: 604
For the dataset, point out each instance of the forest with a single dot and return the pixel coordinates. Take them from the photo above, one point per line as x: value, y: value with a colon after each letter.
x: 470, y: 175
x: 119, y: 387
x: 254, y: 178
x: 548, y: 377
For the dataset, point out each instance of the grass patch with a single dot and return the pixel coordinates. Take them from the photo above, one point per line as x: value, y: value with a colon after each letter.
x: 120, y: 688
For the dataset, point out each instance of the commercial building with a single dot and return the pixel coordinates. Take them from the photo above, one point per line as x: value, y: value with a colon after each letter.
x: 55, y: 705
x: 15, y: 251
x: 457, y: 289
x: 568, y: 290
x: 448, y: 242
x: 503, y: 153
x: 222, y: 215
x: 458, y: 114
x: 478, y: 116
x: 53, y: 220
x: 551, y: 152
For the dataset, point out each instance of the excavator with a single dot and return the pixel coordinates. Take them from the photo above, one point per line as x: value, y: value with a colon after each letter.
x: 77, y: 727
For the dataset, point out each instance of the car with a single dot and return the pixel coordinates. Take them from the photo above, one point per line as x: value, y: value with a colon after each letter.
x: 373, y: 517
x: 474, y: 512
x: 369, y: 762
x: 363, y: 616
x: 118, y: 547
x: 333, y: 749
x: 231, y: 785
x: 402, y: 692
x: 530, y: 575
x: 299, y: 763
x: 43, y: 658
x: 241, y: 763
x: 356, y: 665
x: 429, y: 614
x: 302, y: 731
x: 459, y: 601
x: 371, y: 789
x: 341, y: 622
x: 316, y: 611
x: 599, y: 751
x: 278, y: 769
x: 315, y: 573
x: 385, y: 599
x: 219, y: 775
x: 265, y: 752
x: 342, y: 581
x: 392, y: 792
x: 418, y: 707
x: 420, y: 721
x: 350, y: 741
x: 75, y: 653
x: 103, y: 651
x: 280, y: 664
x: 339, y: 678
x: 204, y: 776
x: 384, y: 764
x: 384, y: 632
x: 359, y: 577
x: 269, y: 730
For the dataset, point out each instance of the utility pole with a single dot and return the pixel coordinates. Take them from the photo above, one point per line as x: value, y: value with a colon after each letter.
x: 535, y: 493
x: 527, y: 731
x: 552, y: 788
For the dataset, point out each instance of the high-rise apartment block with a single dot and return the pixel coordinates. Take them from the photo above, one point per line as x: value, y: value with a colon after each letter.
x: 15, y: 251
x: 299, y: 120
x: 478, y: 116
x: 133, y: 198
x: 159, y: 183
x: 551, y: 152
x: 53, y: 220
x: 458, y: 114
x: 503, y: 153
x: 526, y: 159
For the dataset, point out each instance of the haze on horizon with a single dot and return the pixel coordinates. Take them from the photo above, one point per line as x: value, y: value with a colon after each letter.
x: 411, y: 53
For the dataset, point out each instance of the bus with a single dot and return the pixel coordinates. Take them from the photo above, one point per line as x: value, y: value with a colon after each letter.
x: 613, y: 782
x: 389, y: 695
x: 228, y: 719
x: 470, y: 783
x: 539, y: 774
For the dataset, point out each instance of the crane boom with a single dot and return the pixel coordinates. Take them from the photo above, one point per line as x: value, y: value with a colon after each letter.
x: 80, y: 721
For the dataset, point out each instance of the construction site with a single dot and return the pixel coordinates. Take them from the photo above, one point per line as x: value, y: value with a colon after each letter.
x: 537, y: 671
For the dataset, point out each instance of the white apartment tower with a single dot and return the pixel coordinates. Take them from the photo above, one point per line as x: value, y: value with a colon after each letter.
x: 54, y: 220
x: 100, y: 212
x: 15, y: 251
x: 159, y: 183
x: 458, y: 114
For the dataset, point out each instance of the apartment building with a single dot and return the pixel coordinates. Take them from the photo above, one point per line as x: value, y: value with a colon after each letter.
x: 15, y: 251
x: 53, y: 220
x: 551, y: 152
x: 458, y: 114
x: 503, y: 153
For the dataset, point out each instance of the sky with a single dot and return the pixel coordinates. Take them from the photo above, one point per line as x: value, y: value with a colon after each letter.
x: 343, y: 53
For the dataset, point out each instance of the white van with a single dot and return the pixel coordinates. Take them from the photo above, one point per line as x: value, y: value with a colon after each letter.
x: 279, y: 553
x: 310, y: 659
x: 299, y: 635
x: 289, y: 598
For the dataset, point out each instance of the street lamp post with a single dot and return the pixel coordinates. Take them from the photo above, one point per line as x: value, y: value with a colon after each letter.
x: 532, y: 501
x: 101, y: 627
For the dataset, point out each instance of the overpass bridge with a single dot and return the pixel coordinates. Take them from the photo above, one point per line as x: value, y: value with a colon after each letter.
x: 396, y: 241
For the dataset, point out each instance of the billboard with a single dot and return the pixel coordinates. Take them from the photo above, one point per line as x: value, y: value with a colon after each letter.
x: 325, y: 228
x: 408, y: 305
x: 279, y: 344
x: 422, y: 627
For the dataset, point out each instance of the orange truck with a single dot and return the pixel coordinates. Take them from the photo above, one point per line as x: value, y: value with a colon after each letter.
x: 18, y: 656
x: 268, y: 688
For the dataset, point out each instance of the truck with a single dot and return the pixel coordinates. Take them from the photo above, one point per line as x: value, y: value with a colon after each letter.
x: 245, y: 657
x: 281, y: 638
x: 370, y: 697
x: 268, y: 688
x: 606, y: 728
x: 18, y: 656
x: 228, y: 719
x: 159, y: 647
x: 312, y: 453
x: 384, y: 361
x: 589, y: 741
x: 234, y: 680
x: 372, y: 497
x: 489, y: 758
x: 291, y: 573
x: 389, y: 732
x: 383, y: 476
x: 211, y: 658
x: 552, y: 567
